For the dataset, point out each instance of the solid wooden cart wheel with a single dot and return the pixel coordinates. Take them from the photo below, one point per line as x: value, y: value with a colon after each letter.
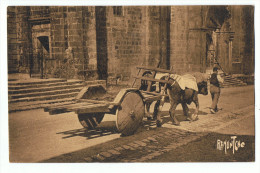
x: 130, y: 113
x: 90, y: 121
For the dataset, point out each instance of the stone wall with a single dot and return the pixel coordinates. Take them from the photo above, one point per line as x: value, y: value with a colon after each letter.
x: 74, y: 41
x: 242, y: 24
x: 102, y: 42
x: 188, y: 39
x: 125, y: 43
x: 19, y: 37
x: 235, y: 41
x: 137, y: 36
x: 69, y: 41
x: 13, y: 47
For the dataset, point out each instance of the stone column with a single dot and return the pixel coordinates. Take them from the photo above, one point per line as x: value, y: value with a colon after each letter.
x: 230, y: 47
x: 217, y: 44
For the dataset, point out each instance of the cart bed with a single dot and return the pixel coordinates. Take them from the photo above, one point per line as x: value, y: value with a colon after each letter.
x: 93, y: 106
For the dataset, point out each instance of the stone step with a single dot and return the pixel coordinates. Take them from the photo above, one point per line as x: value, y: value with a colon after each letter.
x: 66, y: 85
x: 45, y: 93
x: 31, y: 93
x: 225, y: 85
x: 23, y: 106
x: 230, y: 81
x: 19, y: 87
x: 35, y: 81
x: 233, y: 81
x: 48, y: 97
x: 232, y: 85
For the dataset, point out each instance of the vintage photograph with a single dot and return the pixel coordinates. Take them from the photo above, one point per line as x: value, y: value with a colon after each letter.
x: 131, y: 84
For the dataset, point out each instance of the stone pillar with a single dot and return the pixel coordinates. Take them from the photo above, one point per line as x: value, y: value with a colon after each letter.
x: 90, y: 42
x: 230, y: 47
x: 217, y: 44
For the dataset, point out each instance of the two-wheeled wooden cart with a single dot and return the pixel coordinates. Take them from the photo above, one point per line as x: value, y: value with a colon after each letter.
x: 128, y: 105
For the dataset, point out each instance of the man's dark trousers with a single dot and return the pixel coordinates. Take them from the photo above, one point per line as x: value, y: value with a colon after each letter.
x: 215, y: 93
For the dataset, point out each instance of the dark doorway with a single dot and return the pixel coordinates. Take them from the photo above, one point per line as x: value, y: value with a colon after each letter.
x: 45, y: 42
x: 40, y: 54
x: 101, y: 31
x: 40, y: 49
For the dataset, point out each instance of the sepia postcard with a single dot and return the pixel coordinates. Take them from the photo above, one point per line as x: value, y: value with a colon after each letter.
x: 131, y: 85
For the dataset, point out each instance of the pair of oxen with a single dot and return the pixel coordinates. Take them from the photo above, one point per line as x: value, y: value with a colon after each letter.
x: 181, y: 90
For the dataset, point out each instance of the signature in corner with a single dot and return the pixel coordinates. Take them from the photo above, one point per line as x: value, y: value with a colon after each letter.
x: 233, y: 144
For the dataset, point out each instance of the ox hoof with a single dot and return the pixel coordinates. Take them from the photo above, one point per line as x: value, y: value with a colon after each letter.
x: 149, y: 118
x: 193, y: 118
x: 159, y: 123
x: 176, y: 123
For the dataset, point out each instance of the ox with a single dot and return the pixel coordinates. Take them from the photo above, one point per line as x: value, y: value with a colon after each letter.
x: 179, y: 95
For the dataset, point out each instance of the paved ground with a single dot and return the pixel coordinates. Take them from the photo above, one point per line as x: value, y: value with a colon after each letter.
x: 172, y: 145
x: 36, y: 136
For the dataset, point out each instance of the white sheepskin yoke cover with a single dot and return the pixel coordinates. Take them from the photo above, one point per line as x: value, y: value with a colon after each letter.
x: 186, y: 81
x: 201, y: 77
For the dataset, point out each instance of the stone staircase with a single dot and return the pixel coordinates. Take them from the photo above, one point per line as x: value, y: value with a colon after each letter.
x: 37, y: 93
x: 230, y: 81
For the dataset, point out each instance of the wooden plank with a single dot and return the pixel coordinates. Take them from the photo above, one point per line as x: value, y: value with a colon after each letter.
x: 97, y: 101
x: 78, y: 105
x: 56, y: 105
x: 61, y: 109
x: 98, y: 105
x: 151, y: 79
x: 96, y: 108
x: 155, y: 69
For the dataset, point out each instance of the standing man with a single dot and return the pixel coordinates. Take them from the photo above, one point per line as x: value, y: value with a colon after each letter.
x: 215, y: 81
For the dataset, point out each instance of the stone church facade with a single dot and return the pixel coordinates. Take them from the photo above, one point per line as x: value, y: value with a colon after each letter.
x: 88, y: 42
